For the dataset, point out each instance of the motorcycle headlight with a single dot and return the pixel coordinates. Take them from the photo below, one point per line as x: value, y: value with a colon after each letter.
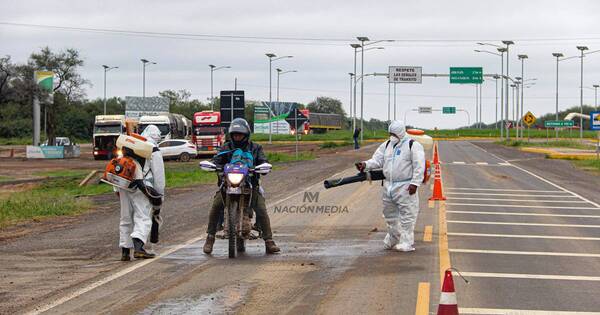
x: 235, y: 178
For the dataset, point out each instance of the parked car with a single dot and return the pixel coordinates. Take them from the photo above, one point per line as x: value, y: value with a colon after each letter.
x: 182, y: 150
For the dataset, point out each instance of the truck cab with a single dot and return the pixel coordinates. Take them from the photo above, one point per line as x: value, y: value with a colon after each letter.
x: 107, y: 128
x: 208, y: 134
x: 163, y: 122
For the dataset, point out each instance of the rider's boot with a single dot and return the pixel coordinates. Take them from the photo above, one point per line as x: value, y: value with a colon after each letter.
x: 208, y: 245
x: 139, y: 252
x: 271, y: 247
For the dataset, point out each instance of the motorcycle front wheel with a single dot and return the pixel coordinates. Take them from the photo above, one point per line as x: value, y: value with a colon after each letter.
x: 232, y: 227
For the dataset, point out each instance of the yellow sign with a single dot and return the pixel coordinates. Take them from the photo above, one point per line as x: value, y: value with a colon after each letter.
x: 529, y: 119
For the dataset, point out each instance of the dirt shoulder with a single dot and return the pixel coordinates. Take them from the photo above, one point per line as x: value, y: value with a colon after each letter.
x: 45, y: 259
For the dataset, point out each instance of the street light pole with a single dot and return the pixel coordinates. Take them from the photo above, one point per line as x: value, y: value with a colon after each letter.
x: 355, y: 46
x: 507, y: 43
x: 503, y: 85
x: 106, y: 69
x: 279, y: 73
x: 362, y: 40
x: 596, y: 94
x: 272, y: 58
x: 214, y: 68
x: 558, y: 56
x: 496, y: 85
x: 144, y: 62
x: 351, y: 83
x: 582, y: 49
x: 522, y: 58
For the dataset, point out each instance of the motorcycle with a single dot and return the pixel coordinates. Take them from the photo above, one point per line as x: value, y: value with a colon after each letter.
x: 237, y: 191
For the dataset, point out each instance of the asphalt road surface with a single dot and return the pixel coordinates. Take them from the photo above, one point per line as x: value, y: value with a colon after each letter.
x: 523, y: 230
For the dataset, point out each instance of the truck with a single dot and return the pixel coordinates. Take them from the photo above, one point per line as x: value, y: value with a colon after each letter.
x: 208, y: 135
x: 171, y: 126
x: 322, y: 122
x: 107, y: 128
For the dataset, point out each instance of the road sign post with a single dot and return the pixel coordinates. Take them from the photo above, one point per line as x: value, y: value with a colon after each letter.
x: 466, y: 75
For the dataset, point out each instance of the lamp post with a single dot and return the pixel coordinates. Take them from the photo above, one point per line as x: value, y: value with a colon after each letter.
x: 272, y: 57
x: 279, y: 73
x: 145, y: 62
x: 596, y: 94
x: 351, y: 84
x: 355, y: 46
x: 507, y: 43
x: 501, y: 51
x: 214, y: 68
x: 522, y: 57
x: 496, y: 77
x: 581, y: 49
x: 106, y: 69
x: 558, y: 56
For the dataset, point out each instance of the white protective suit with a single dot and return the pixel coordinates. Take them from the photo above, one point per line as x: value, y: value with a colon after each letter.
x: 402, y: 166
x: 136, y: 210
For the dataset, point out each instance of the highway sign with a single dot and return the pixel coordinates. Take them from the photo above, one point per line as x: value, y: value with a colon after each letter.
x: 466, y: 75
x: 448, y: 110
x: 425, y: 110
x: 405, y: 74
x: 595, y: 120
x: 529, y: 119
x: 558, y: 123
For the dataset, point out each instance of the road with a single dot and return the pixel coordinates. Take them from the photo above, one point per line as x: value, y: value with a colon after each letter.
x: 526, y: 244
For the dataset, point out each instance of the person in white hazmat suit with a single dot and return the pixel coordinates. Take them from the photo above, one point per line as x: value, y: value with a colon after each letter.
x: 136, y: 209
x: 403, y: 164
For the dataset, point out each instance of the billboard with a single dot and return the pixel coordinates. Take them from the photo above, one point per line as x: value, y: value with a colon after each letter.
x: 278, y: 117
x: 136, y: 107
x: 232, y: 106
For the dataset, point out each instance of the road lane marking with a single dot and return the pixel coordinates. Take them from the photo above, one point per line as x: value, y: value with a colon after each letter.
x: 518, y: 206
x: 428, y: 233
x: 506, y: 311
x: 443, y: 241
x: 527, y: 236
x: 138, y: 264
x: 459, y: 162
x: 501, y: 189
x: 517, y: 252
x: 526, y: 276
x: 505, y: 163
x: 524, y: 223
x: 510, y: 195
x: 482, y: 163
x: 527, y: 214
x: 423, y: 293
x: 523, y: 200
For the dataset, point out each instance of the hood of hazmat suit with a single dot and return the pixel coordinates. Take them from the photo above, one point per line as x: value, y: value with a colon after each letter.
x: 154, y: 170
x: 402, y: 165
x: 152, y: 133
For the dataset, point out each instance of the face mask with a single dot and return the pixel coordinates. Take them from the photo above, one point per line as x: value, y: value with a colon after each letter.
x: 394, y: 139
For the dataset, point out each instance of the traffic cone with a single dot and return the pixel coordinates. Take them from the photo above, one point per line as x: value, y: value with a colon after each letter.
x: 437, y: 184
x: 448, y: 304
x: 436, y: 159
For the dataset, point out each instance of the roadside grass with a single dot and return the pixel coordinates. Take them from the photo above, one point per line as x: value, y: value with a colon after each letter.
x: 574, y: 144
x: 588, y: 165
x: 5, y: 178
x: 61, y: 194
x: 328, y: 136
x: 331, y: 144
x: 62, y: 173
x: 532, y: 133
x: 27, y: 141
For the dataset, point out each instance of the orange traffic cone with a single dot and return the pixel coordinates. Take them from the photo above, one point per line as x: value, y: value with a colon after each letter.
x: 437, y: 184
x: 448, y: 304
x: 436, y: 159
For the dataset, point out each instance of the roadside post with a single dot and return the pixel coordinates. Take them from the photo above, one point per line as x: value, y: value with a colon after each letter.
x: 595, y: 125
x: 529, y: 119
x: 296, y: 128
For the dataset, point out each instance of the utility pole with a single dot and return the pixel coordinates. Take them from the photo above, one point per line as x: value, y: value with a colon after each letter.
x: 106, y: 69
x: 507, y: 43
x: 582, y: 49
x: 558, y: 56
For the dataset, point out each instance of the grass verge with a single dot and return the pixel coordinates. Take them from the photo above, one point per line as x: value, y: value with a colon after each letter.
x: 588, y: 165
x: 331, y: 144
x: 551, y: 144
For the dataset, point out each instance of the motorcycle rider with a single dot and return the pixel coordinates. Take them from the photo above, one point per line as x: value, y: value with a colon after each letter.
x: 403, y: 163
x: 239, y: 132
x: 136, y: 209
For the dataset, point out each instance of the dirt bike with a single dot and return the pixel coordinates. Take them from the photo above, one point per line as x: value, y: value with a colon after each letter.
x: 237, y: 191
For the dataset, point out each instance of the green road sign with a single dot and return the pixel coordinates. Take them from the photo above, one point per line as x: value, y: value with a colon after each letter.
x: 466, y: 75
x: 449, y: 110
x: 558, y: 123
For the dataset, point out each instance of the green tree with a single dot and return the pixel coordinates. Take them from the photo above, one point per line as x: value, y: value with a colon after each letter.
x: 324, y: 104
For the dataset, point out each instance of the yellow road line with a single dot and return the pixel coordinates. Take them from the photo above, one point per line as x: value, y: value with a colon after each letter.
x: 428, y: 233
x: 423, y: 299
x: 443, y: 240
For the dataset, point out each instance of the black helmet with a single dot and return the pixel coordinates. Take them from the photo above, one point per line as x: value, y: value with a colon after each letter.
x: 241, y: 126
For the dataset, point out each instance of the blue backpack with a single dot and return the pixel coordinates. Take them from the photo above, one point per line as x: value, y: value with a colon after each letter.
x: 243, y: 157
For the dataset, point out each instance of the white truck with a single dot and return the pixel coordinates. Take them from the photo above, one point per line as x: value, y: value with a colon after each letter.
x: 107, y: 128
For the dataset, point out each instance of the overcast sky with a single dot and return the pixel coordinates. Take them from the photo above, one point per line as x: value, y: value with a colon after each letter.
x: 433, y: 34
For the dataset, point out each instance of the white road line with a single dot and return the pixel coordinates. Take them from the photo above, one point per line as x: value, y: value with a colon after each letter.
x: 524, y: 253
x: 506, y: 311
x: 527, y: 276
x: 528, y: 214
x: 501, y: 189
x: 458, y: 162
x: 505, y: 163
x: 482, y: 163
x: 524, y: 223
x: 521, y: 200
x: 138, y: 264
x: 510, y: 195
x: 527, y: 236
x: 518, y: 206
